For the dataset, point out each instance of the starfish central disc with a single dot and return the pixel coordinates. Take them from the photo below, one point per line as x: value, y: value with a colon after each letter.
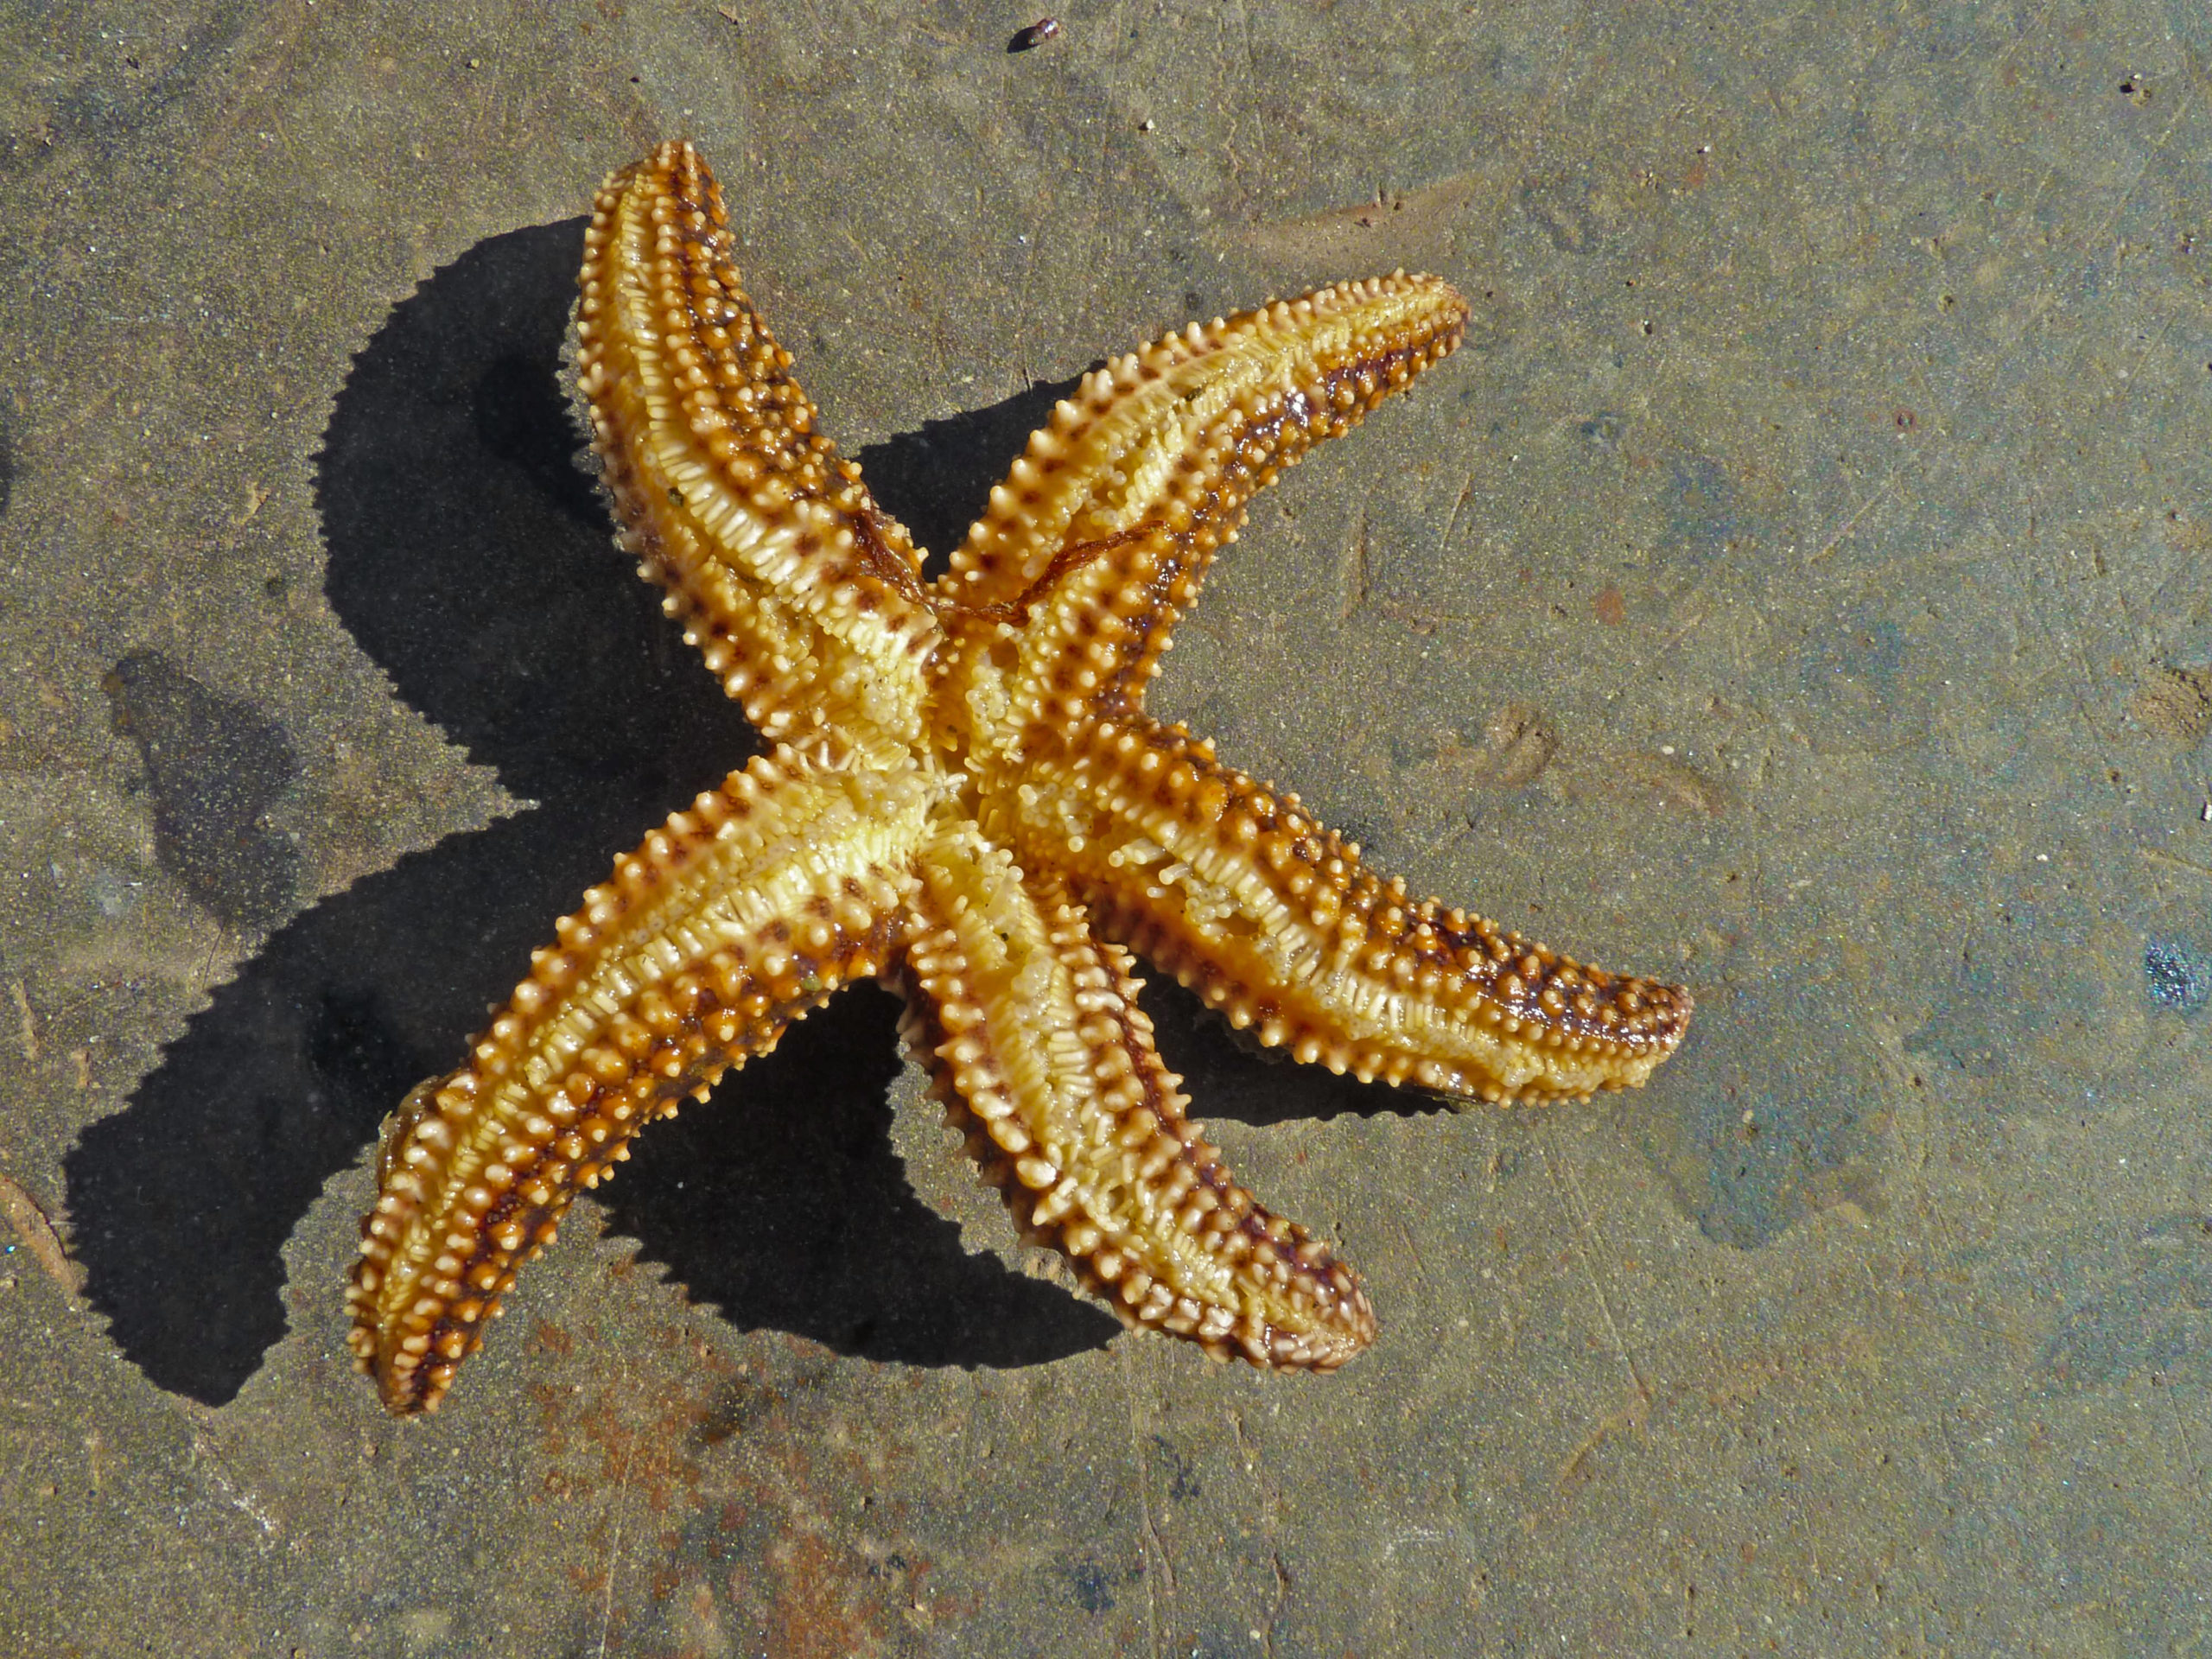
x: 966, y: 799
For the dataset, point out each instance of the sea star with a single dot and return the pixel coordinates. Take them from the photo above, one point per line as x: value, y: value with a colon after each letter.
x: 966, y: 799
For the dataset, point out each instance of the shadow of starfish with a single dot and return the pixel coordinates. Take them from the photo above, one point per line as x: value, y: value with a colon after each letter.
x: 473, y: 563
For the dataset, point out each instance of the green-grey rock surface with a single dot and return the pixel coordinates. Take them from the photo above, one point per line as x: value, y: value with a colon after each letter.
x: 1800, y: 585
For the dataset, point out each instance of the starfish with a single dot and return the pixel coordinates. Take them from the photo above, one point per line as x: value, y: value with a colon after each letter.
x: 966, y: 799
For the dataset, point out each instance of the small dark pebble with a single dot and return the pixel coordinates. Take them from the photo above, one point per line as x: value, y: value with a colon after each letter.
x: 2179, y: 977
x: 1036, y: 34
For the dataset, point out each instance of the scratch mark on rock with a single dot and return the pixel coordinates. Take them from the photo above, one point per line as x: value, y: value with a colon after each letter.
x: 39, y: 1237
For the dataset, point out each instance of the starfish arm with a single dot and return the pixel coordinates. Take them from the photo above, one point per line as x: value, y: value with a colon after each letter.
x: 1272, y: 918
x: 735, y: 918
x: 1031, y: 1034
x: 1105, y: 528
x: 805, y: 599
